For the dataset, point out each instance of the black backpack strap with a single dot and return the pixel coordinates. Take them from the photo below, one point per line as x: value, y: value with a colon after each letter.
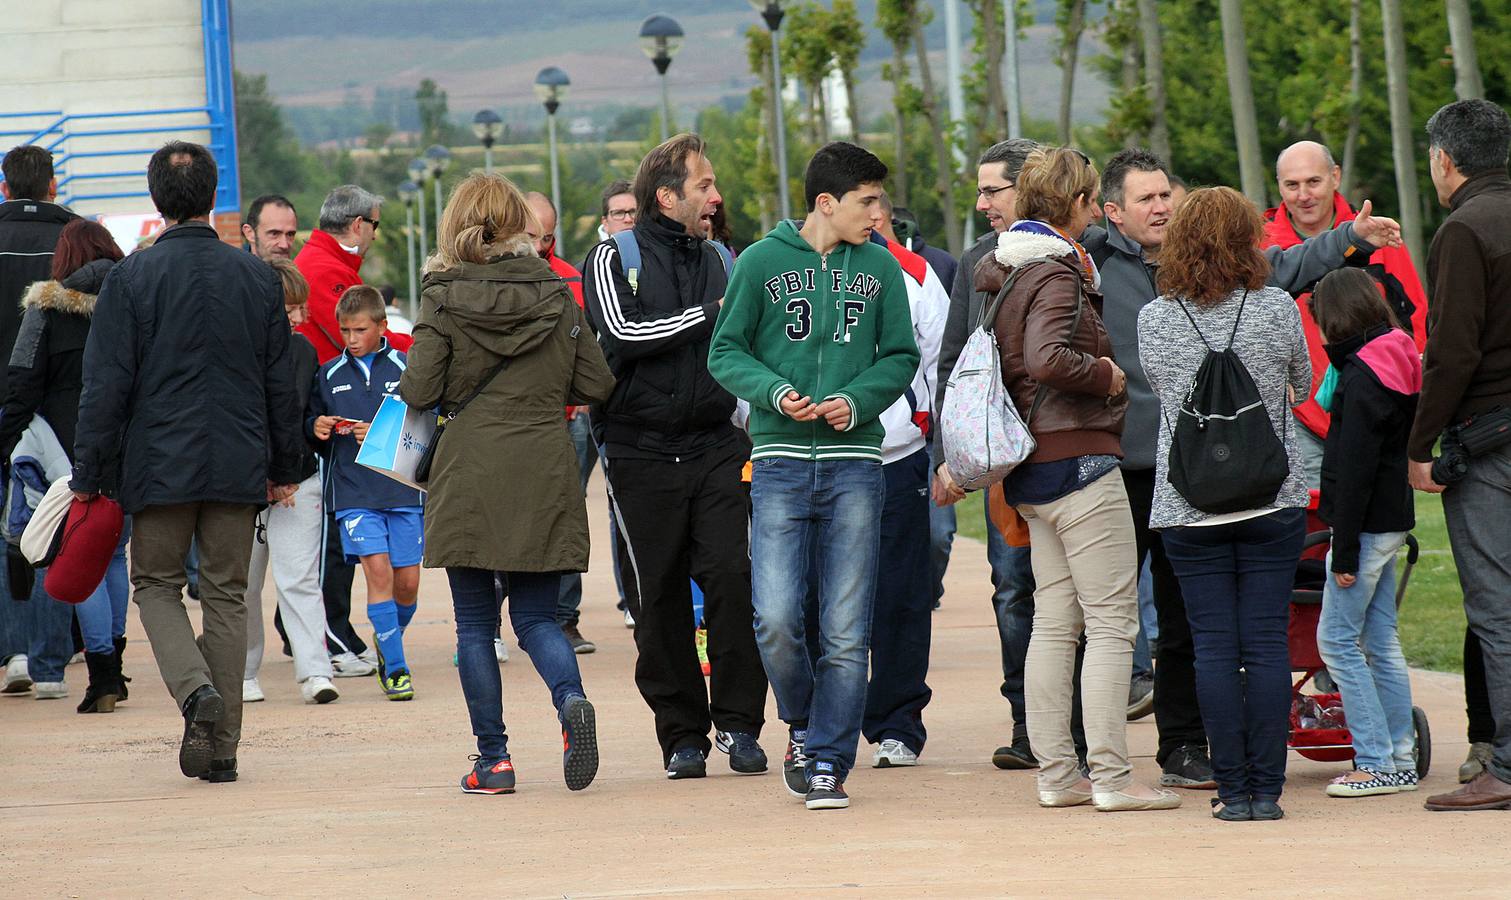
x: 1238, y: 318
x: 1195, y: 327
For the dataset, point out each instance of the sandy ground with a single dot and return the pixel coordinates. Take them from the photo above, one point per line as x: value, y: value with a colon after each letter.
x: 361, y: 796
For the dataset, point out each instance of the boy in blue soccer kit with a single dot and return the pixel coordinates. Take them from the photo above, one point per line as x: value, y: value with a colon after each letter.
x: 381, y: 520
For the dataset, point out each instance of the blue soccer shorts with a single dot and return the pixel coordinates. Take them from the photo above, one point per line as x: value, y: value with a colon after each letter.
x: 398, y: 532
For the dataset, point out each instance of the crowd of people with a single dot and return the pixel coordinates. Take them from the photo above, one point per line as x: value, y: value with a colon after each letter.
x: 781, y: 496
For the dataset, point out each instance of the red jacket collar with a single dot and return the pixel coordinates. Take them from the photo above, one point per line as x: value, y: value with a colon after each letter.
x: 328, y: 246
x: 913, y: 264
x: 1281, y: 231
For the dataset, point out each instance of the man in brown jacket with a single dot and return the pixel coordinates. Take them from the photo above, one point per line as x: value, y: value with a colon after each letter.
x: 1467, y: 374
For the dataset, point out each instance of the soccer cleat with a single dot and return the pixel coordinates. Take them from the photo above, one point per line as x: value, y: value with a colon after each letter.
x: 350, y: 665
x: 579, y: 743
x: 318, y: 689
x: 497, y: 778
x: 745, y: 754
x: 826, y: 792
x: 795, y: 765
x: 17, y: 678
x: 700, y: 640
x: 398, y: 686
x: 251, y: 691
x: 893, y: 752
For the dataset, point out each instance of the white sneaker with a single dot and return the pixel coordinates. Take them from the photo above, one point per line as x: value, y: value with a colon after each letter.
x: 318, y: 689
x: 629, y: 620
x: 251, y: 691
x: 501, y: 650
x: 49, y: 690
x: 370, y: 656
x: 17, y: 678
x: 350, y: 665
x: 893, y: 752
x: 76, y: 658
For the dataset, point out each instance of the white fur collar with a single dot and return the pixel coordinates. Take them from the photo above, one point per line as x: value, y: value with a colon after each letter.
x: 1015, y: 248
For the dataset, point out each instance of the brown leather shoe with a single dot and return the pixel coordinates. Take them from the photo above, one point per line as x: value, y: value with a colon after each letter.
x: 1484, y: 792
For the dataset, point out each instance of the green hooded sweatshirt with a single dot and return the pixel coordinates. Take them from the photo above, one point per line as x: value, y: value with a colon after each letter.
x: 835, y: 325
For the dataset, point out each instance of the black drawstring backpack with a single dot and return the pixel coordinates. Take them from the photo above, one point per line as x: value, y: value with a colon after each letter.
x: 1224, y: 455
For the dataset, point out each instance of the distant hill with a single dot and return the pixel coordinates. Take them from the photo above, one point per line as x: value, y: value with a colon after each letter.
x: 333, y: 55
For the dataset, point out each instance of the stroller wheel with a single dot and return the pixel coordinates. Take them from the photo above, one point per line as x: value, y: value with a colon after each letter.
x: 1424, y: 741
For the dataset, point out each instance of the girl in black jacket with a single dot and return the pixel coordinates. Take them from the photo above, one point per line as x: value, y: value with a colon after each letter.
x: 1367, y: 501
x: 45, y: 377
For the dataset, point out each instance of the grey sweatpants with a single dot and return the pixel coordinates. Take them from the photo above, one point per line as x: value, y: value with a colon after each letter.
x: 290, y: 544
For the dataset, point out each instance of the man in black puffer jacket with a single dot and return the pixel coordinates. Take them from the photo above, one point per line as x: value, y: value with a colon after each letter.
x: 674, y: 461
x: 189, y: 416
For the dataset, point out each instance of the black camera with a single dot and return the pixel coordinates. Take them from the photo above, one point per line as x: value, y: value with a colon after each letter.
x: 1452, y: 463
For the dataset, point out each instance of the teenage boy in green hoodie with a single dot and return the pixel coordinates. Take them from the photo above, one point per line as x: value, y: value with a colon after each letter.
x: 816, y: 334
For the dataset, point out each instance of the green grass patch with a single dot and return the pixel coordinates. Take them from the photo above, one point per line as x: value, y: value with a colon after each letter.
x: 1432, y: 614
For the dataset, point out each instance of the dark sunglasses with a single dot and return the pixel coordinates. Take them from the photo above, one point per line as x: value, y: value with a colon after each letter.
x: 372, y: 222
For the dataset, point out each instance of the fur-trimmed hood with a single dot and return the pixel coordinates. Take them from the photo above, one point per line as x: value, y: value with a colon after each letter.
x: 1014, y: 248
x: 54, y: 296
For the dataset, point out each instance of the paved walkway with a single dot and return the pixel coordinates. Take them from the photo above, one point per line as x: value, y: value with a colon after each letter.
x: 360, y: 798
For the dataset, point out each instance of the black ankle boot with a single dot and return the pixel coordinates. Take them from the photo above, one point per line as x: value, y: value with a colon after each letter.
x: 221, y: 771
x: 104, y: 684
x: 121, y: 679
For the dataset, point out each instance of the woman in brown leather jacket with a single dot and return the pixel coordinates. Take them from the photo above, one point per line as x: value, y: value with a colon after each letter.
x: 1057, y: 365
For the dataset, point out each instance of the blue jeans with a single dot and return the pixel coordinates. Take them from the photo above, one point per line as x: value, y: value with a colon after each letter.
x: 941, y: 537
x: 841, y: 502
x: 1357, y: 637
x: 1013, y: 603
x: 569, y: 598
x: 1236, y: 580
x: 39, y: 628
x: 476, y: 598
x: 1148, y: 627
x: 102, y: 616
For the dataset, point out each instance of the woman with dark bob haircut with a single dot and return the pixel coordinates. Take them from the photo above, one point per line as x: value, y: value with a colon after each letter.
x: 1235, y: 568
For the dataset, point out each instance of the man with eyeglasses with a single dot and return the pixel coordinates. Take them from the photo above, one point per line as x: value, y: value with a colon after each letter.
x: 1012, y: 576
x: 619, y: 209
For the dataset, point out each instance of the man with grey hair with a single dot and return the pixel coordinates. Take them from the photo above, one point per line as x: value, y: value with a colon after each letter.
x: 1012, y: 577
x: 330, y: 261
x: 1467, y: 377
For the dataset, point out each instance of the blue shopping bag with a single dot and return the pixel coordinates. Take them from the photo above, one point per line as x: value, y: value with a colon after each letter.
x: 396, y: 440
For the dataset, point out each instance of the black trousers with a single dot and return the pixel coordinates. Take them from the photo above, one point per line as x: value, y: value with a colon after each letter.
x: 681, y: 522
x: 336, y: 576
x: 1177, y: 714
x: 902, y: 616
x: 1477, y: 692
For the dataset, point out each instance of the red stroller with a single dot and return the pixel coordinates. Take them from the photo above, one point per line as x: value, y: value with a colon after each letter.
x: 1319, y: 729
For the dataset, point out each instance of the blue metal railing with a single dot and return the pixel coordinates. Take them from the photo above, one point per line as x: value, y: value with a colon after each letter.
x: 219, y: 120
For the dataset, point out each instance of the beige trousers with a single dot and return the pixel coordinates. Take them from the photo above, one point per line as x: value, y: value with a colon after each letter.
x: 1084, y: 563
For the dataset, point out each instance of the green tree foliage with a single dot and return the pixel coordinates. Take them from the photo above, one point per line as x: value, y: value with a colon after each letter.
x: 270, y: 159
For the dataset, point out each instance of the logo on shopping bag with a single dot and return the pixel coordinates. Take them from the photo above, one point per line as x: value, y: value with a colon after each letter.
x: 410, y: 441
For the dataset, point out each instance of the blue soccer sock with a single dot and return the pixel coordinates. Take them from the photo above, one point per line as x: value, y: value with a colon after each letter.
x: 406, y: 613
x: 384, y: 616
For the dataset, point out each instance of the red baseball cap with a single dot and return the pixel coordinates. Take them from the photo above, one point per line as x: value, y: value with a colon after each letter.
x: 90, y: 535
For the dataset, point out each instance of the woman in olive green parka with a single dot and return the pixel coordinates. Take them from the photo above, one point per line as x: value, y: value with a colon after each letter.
x: 504, y: 502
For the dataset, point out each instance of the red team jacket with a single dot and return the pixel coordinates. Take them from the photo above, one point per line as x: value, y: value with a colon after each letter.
x: 1391, y: 267
x: 330, y: 270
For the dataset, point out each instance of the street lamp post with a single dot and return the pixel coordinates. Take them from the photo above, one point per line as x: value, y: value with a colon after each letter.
x: 551, y: 85
x: 438, y: 157
x: 487, y: 125
x: 661, y: 38
x: 417, y: 171
x: 772, y: 11
x: 408, y: 191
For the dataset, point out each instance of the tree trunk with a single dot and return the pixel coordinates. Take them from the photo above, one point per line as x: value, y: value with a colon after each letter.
x: 823, y: 112
x: 991, y: 39
x: 851, y: 101
x: 1241, y: 92
x: 900, y: 127
x: 945, y: 180
x: 1401, y: 129
x: 1466, y: 65
x: 1154, y: 77
x: 1355, y: 93
x: 1131, y: 74
x: 1070, y: 48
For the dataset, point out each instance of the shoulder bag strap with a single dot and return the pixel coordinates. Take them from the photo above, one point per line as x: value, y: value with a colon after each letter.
x: 487, y: 379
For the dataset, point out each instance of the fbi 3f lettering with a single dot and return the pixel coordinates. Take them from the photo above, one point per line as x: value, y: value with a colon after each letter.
x: 850, y: 309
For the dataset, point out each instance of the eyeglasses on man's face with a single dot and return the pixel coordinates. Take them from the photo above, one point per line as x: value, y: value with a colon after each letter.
x: 990, y: 192
x: 622, y: 215
x: 372, y: 222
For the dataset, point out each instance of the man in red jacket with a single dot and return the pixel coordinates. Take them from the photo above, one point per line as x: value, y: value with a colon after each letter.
x: 1308, y: 179
x: 330, y: 262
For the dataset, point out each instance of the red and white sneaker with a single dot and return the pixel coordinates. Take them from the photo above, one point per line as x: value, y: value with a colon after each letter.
x: 497, y: 778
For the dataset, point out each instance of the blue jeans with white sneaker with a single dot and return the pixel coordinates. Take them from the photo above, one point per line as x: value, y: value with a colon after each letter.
x: 1357, y: 637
